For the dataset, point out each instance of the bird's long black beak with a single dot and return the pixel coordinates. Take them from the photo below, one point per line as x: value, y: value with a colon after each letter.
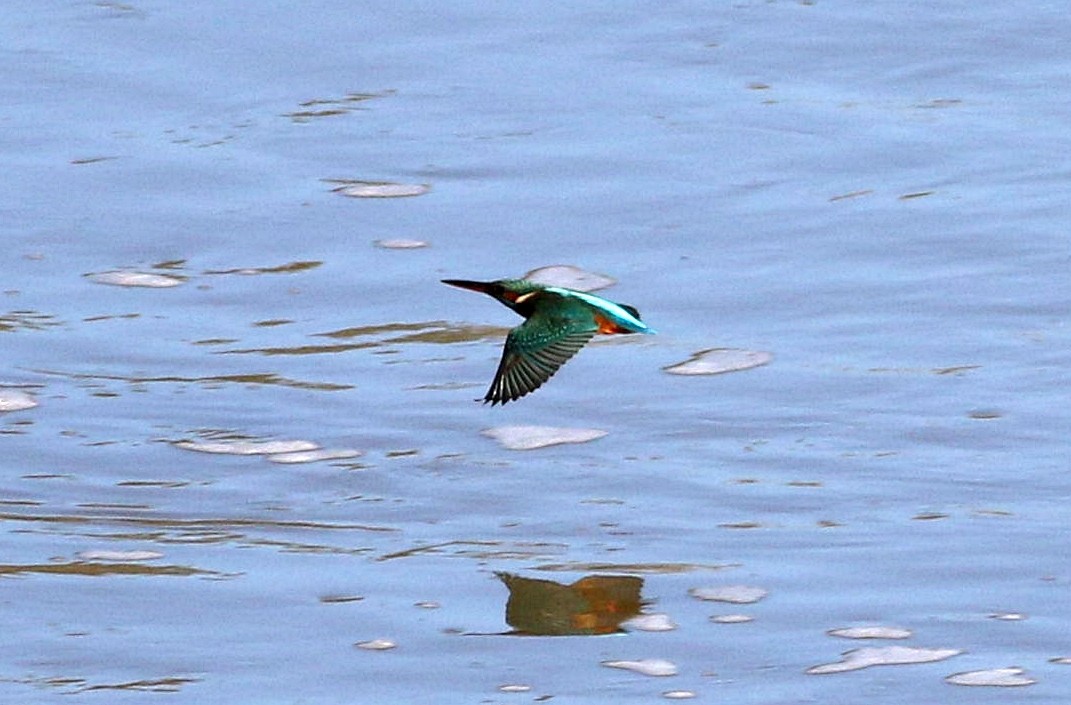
x: 482, y: 287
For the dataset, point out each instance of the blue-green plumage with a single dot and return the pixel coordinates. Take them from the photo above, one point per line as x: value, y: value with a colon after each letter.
x: 558, y: 322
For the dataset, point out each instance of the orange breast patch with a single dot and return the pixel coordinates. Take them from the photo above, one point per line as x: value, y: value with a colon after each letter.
x: 608, y: 326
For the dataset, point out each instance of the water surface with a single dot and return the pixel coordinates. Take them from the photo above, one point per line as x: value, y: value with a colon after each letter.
x: 873, y: 195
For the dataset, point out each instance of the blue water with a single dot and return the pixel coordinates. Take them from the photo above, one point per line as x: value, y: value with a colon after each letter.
x: 875, y: 194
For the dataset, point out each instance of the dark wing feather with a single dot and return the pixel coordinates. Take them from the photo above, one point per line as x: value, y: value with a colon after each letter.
x: 532, y: 355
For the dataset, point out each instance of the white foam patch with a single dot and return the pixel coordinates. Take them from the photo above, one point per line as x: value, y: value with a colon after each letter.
x: 119, y: 556
x: 137, y: 279
x: 646, y: 667
x: 16, y: 400
x: 994, y: 677
x: 514, y: 688
x: 736, y: 594
x: 716, y: 361
x: 1008, y: 616
x: 732, y: 618
x: 247, y: 447
x: 376, y: 645
x: 875, y: 632
x: 570, y: 277
x: 315, y: 456
x: 883, y: 656
x: 678, y: 694
x: 383, y: 190
x: 657, y: 622
x: 401, y: 244
x: 533, y: 437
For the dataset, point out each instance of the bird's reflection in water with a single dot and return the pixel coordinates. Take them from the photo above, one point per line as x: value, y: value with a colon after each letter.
x: 597, y: 604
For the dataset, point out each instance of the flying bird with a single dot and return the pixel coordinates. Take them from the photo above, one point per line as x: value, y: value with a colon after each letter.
x: 558, y: 322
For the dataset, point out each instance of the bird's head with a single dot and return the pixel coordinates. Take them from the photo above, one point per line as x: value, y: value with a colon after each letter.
x: 510, y: 292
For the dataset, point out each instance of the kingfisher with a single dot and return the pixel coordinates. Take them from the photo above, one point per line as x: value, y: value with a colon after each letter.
x: 558, y: 322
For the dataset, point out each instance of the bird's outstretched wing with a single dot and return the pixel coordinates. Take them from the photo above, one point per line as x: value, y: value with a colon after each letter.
x: 533, y: 353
